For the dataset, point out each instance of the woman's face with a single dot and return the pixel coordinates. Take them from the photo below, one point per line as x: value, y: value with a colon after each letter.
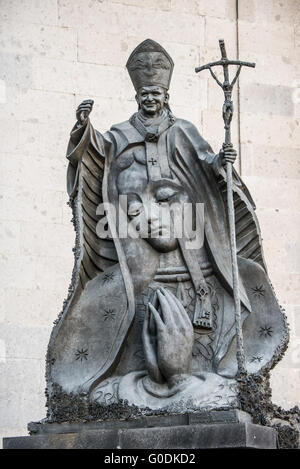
x: 153, y: 208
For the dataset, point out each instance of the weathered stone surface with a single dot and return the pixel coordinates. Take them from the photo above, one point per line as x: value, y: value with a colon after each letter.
x: 268, y: 99
x: 225, y: 30
x: 40, y: 428
x: 17, y: 69
x: 25, y: 11
x: 273, y: 126
x: 270, y: 162
x: 297, y: 322
x: 202, y: 437
x: 23, y: 390
x: 17, y: 312
x: 253, y: 38
x: 220, y: 416
x: 265, y: 199
x: 22, y: 340
x: 54, y: 42
x: 279, y: 378
x: 147, y: 421
x: 270, y: 11
x: 266, y: 64
x: 105, y: 439
x: 218, y: 436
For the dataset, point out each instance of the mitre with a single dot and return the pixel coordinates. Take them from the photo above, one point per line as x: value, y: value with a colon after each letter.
x: 150, y: 64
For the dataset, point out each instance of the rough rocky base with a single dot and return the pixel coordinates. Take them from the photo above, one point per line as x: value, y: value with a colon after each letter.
x: 194, y: 436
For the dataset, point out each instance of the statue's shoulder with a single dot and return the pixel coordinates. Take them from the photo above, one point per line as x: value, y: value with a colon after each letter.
x: 124, y: 134
x: 121, y: 127
x: 185, y: 129
x: 118, y: 132
x: 185, y: 125
x: 125, y: 128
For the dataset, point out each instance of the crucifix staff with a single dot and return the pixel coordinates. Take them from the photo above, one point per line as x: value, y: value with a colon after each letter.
x: 227, y: 112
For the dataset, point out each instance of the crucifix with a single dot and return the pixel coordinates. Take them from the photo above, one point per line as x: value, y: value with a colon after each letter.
x: 227, y: 112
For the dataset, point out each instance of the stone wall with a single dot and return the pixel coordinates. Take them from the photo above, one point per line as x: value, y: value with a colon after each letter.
x: 54, y: 54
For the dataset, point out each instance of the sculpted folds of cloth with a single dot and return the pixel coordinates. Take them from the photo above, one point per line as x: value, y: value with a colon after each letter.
x: 150, y: 318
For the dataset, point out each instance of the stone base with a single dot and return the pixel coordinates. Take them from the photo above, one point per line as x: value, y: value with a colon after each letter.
x: 147, y: 421
x: 212, y: 430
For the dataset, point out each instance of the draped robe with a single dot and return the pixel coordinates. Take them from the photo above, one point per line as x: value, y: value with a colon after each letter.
x: 100, y: 312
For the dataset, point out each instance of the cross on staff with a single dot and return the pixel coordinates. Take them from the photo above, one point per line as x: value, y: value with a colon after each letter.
x: 227, y: 112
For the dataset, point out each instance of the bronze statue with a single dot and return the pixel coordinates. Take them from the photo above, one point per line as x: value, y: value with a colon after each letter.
x: 150, y: 318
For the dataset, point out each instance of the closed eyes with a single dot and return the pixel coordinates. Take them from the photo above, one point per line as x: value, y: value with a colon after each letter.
x: 165, y: 194
x: 134, y: 208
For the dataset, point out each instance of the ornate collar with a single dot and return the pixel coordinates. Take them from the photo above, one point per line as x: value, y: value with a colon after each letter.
x: 151, y: 134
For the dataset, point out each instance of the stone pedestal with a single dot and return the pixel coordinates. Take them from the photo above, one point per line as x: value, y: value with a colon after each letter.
x: 213, y: 430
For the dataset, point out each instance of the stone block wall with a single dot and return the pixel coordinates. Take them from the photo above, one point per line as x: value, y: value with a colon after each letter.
x: 270, y: 158
x: 54, y: 54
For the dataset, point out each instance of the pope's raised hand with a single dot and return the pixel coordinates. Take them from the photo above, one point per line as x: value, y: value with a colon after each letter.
x: 83, y: 111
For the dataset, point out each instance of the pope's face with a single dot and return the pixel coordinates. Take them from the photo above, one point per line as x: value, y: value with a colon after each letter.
x: 151, y: 100
x: 150, y: 206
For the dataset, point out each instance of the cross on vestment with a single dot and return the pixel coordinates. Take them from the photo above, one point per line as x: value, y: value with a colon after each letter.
x: 153, y: 161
